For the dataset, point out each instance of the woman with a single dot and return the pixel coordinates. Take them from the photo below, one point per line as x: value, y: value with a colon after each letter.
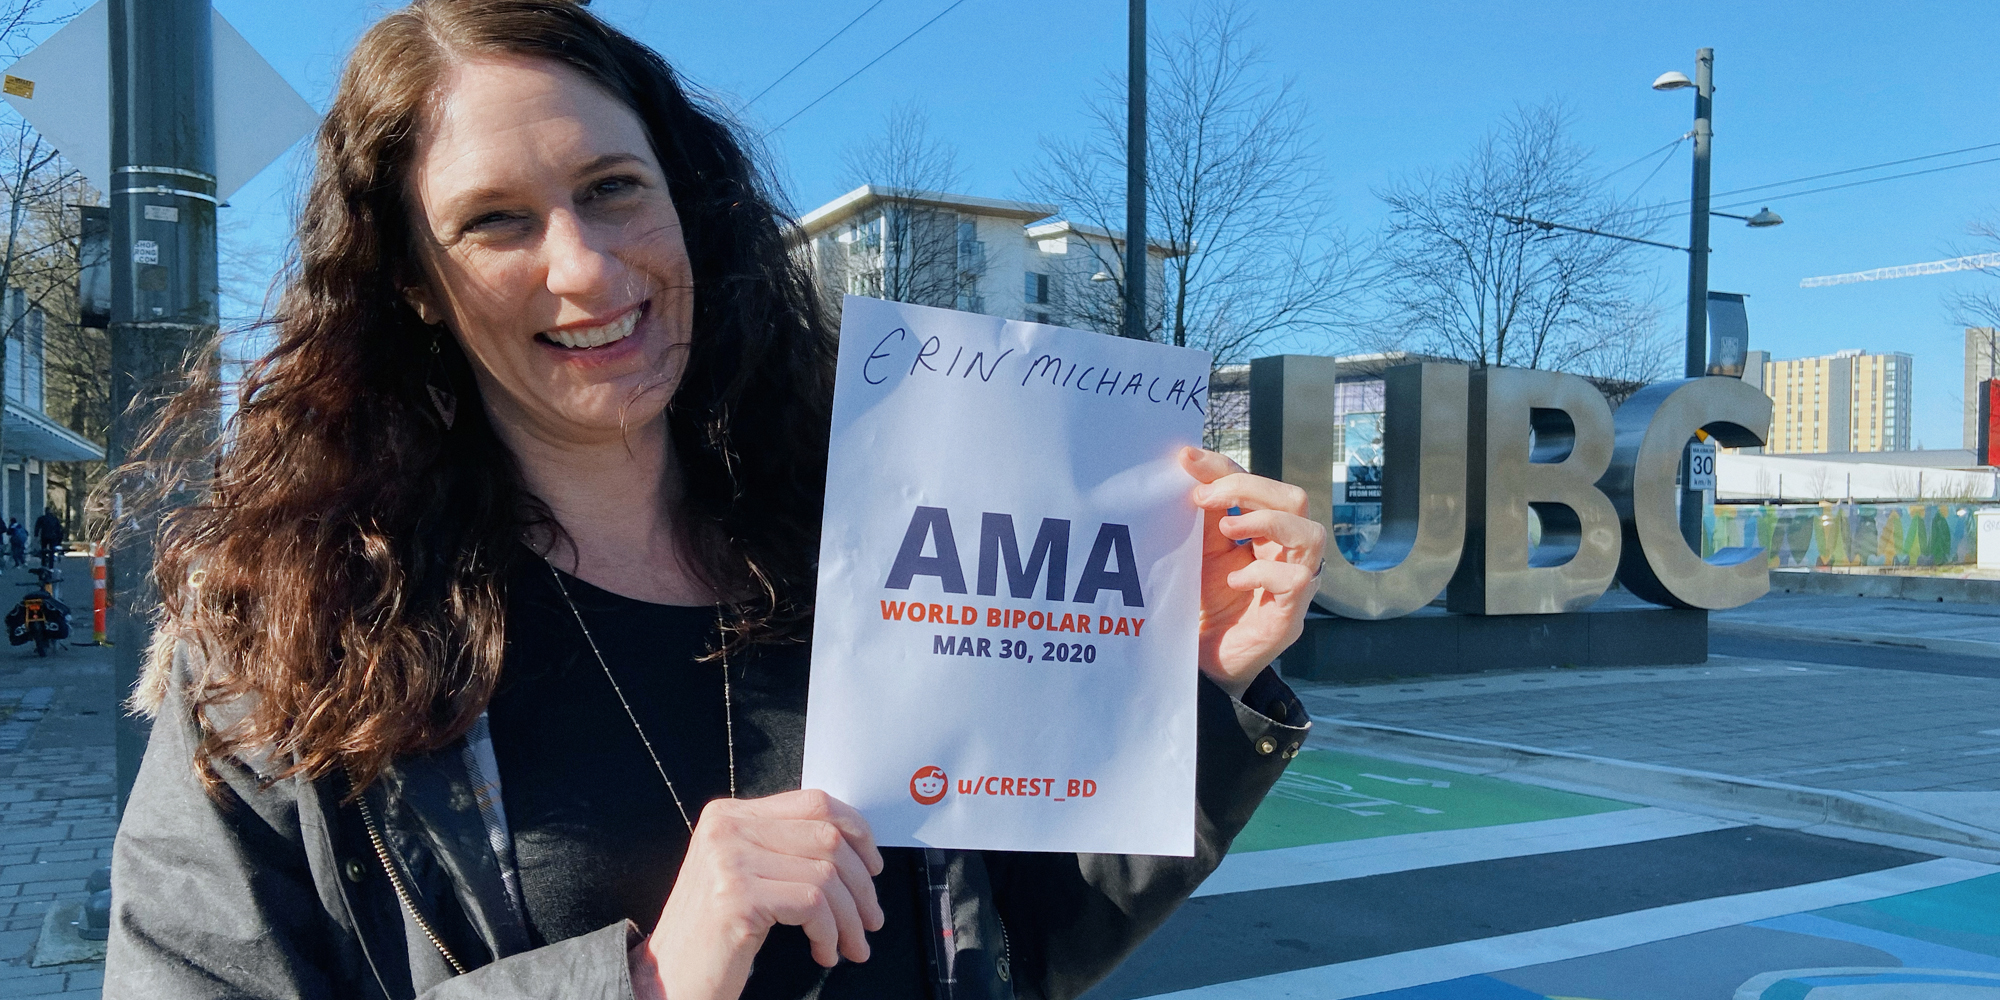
x: 485, y: 672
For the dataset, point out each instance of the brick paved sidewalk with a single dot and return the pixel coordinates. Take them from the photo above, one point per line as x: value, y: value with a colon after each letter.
x: 56, y: 800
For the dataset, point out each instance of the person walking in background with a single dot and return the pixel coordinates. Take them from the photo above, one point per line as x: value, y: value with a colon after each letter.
x: 49, y: 536
x: 17, y: 541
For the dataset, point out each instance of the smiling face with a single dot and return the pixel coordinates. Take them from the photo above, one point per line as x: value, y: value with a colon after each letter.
x: 552, y: 250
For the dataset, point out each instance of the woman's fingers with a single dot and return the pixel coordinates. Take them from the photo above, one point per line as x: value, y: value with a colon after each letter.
x: 820, y: 841
x: 1275, y: 578
x: 813, y: 804
x: 1289, y: 530
x: 1241, y: 489
x: 800, y: 858
x: 847, y: 931
x: 811, y: 839
x: 1207, y: 466
x: 805, y: 907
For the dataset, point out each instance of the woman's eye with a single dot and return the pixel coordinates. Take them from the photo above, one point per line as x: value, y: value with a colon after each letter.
x: 487, y: 221
x: 612, y: 186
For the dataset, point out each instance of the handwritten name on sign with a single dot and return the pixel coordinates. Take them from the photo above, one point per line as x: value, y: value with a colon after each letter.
x: 1091, y: 373
x: 1009, y: 585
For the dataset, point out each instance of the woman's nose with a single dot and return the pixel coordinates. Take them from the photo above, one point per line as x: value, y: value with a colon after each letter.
x: 578, y: 262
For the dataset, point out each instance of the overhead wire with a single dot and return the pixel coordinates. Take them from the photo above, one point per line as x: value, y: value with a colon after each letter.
x: 1856, y: 170
x: 1670, y: 144
x: 1657, y: 167
x: 808, y: 58
x: 864, y: 68
x: 1678, y: 203
x: 1871, y: 180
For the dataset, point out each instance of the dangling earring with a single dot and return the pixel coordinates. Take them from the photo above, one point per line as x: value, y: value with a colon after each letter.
x: 435, y: 383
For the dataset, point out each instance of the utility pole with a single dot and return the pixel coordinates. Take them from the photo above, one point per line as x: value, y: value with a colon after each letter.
x: 1697, y: 312
x: 1135, y: 172
x: 163, y: 272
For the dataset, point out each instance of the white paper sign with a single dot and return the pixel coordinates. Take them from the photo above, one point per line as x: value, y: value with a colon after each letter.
x: 1004, y: 648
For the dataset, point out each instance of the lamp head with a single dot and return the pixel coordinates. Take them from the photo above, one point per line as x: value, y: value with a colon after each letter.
x: 1101, y: 276
x: 1672, y: 79
x: 1765, y: 217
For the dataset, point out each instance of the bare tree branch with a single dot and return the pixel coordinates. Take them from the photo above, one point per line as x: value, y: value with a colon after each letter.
x: 906, y: 249
x: 1459, y: 281
x: 1233, y: 188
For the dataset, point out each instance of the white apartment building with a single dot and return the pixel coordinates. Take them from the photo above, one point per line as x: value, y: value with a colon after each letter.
x: 32, y: 438
x: 984, y: 255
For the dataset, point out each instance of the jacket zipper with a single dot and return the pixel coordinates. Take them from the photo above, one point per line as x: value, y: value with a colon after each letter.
x: 1006, y: 968
x: 403, y: 889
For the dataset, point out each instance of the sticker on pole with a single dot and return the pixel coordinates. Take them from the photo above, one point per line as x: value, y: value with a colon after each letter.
x: 1004, y: 643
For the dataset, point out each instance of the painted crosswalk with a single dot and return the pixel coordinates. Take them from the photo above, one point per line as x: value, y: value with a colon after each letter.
x: 1349, y: 859
x: 1380, y: 974
x: 1362, y: 877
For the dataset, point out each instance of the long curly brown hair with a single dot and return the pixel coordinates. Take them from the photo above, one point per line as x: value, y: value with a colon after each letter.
x: 342, y: 565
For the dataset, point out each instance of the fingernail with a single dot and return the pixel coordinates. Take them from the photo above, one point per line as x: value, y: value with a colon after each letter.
x: 1238, y: 512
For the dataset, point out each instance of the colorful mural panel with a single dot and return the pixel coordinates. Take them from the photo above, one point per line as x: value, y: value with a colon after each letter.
x: 1849, y: 534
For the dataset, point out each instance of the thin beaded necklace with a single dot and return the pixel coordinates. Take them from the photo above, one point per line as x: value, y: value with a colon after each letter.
x: 728, y: 711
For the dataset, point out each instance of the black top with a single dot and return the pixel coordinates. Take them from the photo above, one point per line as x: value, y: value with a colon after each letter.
x: 597, y: 838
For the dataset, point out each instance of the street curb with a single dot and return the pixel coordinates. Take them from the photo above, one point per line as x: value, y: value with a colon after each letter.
x: 1748, y: 798
x: 1962, y: 647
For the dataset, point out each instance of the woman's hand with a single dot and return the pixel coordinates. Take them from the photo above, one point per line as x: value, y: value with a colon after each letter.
x: 800, y: 858
x: 1253, y: 596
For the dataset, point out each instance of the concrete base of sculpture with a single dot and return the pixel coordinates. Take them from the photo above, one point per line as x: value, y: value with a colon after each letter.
x: 1618, y: 631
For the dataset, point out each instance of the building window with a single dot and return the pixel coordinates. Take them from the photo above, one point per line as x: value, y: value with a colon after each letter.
x: 1038, y: 289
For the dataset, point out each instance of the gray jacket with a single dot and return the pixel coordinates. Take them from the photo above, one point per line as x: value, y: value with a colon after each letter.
x: 277, y: 890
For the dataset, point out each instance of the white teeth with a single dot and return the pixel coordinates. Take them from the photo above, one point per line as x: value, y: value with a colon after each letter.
x: 597, y: 336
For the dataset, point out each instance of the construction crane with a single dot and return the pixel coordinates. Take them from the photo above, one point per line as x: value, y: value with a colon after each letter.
x: 1975, y: 262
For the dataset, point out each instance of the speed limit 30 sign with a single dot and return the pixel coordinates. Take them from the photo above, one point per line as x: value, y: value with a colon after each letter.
x: 1701, y: 465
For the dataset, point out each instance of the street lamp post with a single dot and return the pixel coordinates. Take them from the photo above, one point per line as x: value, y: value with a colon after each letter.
x: 163, y: 296
x: 1697, y: 251
x: 1697, y: 304
x: 1135, y: 170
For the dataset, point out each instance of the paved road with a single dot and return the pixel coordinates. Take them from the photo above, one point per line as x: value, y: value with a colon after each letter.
x: 1891, y: 619
x: 1829, y: 726
x: 1852, y: 654
x: 1364, y: 877
x: 1595, y: 899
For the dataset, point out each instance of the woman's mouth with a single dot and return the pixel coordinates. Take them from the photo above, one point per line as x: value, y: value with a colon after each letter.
x: 584, y: 338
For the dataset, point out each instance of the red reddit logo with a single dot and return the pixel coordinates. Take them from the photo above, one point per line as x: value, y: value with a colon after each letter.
x: 927, y: 785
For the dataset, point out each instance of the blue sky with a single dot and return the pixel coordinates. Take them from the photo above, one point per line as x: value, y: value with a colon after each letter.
x: 1801, y: 88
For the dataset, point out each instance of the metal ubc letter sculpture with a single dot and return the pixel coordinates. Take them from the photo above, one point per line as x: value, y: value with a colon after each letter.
x: 1652, y: 427
x: 1470, y: 452
x: 1423, y: 481
x: 1423, y: 500
x: 1554, y: 471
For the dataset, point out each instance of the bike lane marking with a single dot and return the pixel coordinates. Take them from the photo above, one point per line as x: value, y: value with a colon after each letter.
x: 1332, y: 862
x: 1444, y: 964
x: 1329, y: 796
